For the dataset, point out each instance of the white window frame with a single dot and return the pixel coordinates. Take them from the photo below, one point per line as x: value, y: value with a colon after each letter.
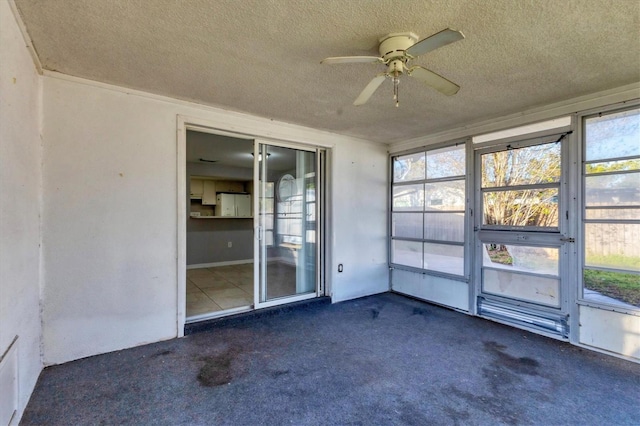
x: 555, y: 137
x: 581, y: 119
x: 463, y: 145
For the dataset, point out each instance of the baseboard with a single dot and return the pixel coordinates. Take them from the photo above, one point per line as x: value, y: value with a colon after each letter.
x: 238, y: 318
x: 214, y: 264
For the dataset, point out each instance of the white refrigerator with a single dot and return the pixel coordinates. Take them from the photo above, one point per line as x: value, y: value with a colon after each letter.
x: 233, y: 205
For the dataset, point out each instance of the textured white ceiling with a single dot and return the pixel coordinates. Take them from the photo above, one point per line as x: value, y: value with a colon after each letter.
x: 263, y: 56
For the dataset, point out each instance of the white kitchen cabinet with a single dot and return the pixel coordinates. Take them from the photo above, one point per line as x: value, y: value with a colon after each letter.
x: 209, y: 193
x: 233, y: 205
x: 229, y: 186
x: 196, y: 188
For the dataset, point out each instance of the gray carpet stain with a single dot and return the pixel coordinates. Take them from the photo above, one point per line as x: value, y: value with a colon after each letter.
x: 420, y: 311
x: 495, y: 406
x: 217, y: 369
x: 504, y: 377
x: 412, y: 415
x: 278, y: 373
x: 161, y: 353
x: 457, y: 416
x: 522, y: 365
x: 376, y: 309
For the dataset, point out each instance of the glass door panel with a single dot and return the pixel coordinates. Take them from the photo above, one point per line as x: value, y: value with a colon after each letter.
x: 287, y: 225
x: 531, y: 274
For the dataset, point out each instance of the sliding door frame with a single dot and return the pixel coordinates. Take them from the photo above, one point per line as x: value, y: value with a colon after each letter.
x: 242, y: 128
x: 259, y: 273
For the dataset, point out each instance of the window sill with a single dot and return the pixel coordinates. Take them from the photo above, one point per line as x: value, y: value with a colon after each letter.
x: 429, y: 272
x: 622, y: 308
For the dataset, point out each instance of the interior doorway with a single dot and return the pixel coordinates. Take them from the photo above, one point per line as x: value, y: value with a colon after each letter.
x: 219, y: 224
x: 254, y: 224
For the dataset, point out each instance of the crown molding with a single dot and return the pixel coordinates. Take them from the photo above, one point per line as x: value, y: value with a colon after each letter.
x: 571, y: 106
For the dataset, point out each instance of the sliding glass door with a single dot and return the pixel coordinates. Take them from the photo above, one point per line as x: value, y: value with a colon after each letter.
x: 287, y: 224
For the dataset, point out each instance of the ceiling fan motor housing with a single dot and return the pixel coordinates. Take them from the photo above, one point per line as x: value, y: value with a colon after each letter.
x: 393, y: 45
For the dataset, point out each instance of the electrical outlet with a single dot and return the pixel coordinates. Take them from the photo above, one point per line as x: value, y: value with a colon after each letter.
x: 229, y: 244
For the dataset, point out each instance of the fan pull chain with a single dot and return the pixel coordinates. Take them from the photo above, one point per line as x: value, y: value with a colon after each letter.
x: 396, y: 82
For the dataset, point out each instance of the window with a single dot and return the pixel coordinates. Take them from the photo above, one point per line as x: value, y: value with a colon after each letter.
x: 428, y: 210
x: 521, y: 187
x: 611, y: 201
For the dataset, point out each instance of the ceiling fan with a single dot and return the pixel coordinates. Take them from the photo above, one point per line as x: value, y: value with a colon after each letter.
x: 396, y: 50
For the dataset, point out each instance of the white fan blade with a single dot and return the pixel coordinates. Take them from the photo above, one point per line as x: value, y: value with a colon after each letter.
x: 435, y: 41
x: 351, y: 60
x: 368, y: 91
x: 434, y: 80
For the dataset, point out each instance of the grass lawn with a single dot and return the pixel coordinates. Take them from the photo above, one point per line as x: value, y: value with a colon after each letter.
x: 620, y: 286
x: 499, y: 254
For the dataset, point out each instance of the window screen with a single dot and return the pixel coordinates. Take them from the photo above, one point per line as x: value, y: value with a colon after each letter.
x: 428, y: 210
x: 611, y: 202
x: 521, y: 187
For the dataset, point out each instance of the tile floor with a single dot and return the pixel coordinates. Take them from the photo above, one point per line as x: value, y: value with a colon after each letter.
x: 219, y: 288
x: 226, y: 287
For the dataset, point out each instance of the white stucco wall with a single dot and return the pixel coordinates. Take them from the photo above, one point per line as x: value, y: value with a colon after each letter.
x: 360, y: 176
x: 109, y: 221
x: 20, y: 178
x: 110, y: 213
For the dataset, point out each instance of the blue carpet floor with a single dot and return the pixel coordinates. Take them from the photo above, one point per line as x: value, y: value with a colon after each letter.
x: 381, y: 360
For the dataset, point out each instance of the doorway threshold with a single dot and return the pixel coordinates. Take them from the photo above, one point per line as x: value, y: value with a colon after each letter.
x: 245, y: 316
x: 218, y: 314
